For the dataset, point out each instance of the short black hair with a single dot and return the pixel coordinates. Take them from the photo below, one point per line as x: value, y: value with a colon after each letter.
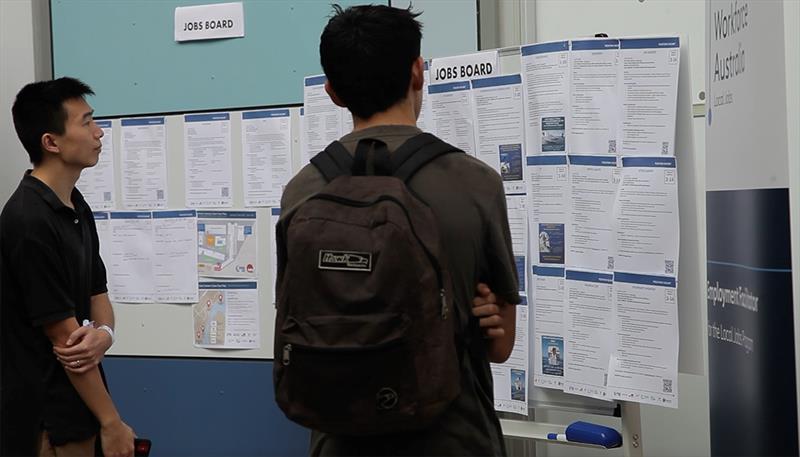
x: 39, y: 109
x: 366, y: 52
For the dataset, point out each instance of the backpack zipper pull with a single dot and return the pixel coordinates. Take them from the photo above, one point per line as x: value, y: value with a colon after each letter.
x: 444, y: 303
x: 287, y: 351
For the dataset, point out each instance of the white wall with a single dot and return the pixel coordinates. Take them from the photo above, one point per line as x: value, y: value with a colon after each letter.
x: 16, y: 70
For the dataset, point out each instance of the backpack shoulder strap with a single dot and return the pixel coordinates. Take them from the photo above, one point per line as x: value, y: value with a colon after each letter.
x: 416, y: 152
x: 334, y: 161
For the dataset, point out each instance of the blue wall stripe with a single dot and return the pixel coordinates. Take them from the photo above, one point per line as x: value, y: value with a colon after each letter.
x: 202, y: 407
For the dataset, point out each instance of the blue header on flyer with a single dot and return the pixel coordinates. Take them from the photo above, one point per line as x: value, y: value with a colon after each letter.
x: 227, y: 214
x: 276, y: 211
x: 633, y: 278
x: 649, y: 43
x: 131, y: 215
x: 100, y: 215
x: 228, y: 285
x: 547, y: 160
x: 265, y: 114
x: 586, y: 276
x: 593, y: 161
x: 143, y: 121
x: 594, y: 45
x: 315, y: 80
x: 207, y: 117
x: 174, y: 213
x: 651, y: 162
x: 448, y: 87
x: 548, y: 271
x: 556, y: 46
x: 496, y: 81
x: 105, y: 124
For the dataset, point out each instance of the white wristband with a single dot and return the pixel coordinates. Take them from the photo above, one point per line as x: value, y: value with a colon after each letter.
x: 109, y: 330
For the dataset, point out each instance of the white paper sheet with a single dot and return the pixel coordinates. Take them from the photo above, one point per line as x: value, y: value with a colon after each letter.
x: 144, y: 163
x: 592, y: 125
x: 323, y: 119
x: 97, y: 183
x: 499, y: 128
x: 226, y: 315
x: 644, y: 364
x: 175, y: 256
x: 545, y: 77
x: 590, y: 238
x: 424, y: 120
x: 267, y: 156
x: 548, y: 326
x: 648, y: 90
x: 130, y: 257
x: 102, y: 221
x: 589, y: 329
x: 452, y: 114
x: 646, y: 222
x: 207, y: 150
x: 516, y: 205
x: 511, y: 377
x: 275, y: 214
x: 227, y: 244
x: 548, y: 197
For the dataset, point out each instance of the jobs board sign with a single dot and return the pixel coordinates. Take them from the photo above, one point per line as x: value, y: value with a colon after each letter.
x: 208, y: 22
x: 466, y: 67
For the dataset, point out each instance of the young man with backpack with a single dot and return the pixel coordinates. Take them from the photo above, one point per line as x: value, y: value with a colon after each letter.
x: 396, y: 280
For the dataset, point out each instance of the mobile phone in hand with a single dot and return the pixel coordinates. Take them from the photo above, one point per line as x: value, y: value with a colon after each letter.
x: 141, y: 447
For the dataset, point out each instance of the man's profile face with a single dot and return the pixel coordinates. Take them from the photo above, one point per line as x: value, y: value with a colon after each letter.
x: 80, y: 144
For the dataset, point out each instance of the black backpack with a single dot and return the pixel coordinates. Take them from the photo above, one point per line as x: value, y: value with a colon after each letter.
x: 365, y: 330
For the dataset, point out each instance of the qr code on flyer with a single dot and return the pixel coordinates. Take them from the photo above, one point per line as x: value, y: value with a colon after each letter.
x: 612, y: 146
x: 669, y: 267
x: 664, y: 148
x: 667, y: 386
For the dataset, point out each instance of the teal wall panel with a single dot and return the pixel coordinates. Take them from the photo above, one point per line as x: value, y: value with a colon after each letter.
x: 125, y: 50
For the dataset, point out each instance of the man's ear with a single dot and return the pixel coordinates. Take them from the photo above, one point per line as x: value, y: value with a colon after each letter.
x: 418, y: 74
x: 332, y: 95
x: 49, y: 143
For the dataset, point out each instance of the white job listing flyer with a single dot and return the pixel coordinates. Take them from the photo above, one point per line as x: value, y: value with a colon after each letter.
x: 593, y: 187
x: 130, y: 257
x: 548, y: 200
x: 97, y: 183
x: 452, y: 114
x: 648, y: 91
x: 499, y: 128
x: 144, y: 163
x: 175, y: 256
x: 545, y: 78
x: 207, y: 147
x: 322, y: 119
x: 594, y: 103
x: 266, y: 155
x: 646, y: 222
x: 548, y: 326
x: 589, y: 332
x: 644, y: 363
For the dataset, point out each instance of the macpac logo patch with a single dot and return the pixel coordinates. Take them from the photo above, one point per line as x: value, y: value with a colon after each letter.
x: 345, y: 260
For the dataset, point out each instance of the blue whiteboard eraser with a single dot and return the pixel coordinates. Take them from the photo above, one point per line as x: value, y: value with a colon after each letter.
x: 600, y: 435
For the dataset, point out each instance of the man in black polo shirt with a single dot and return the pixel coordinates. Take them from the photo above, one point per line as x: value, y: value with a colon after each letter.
x: 56, y: 317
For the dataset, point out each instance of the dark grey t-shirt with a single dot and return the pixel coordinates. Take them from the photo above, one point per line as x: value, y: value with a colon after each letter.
x: 468, y: 200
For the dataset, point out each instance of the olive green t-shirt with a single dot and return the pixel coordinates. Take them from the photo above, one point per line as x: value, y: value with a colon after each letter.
x: 468, y: 200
